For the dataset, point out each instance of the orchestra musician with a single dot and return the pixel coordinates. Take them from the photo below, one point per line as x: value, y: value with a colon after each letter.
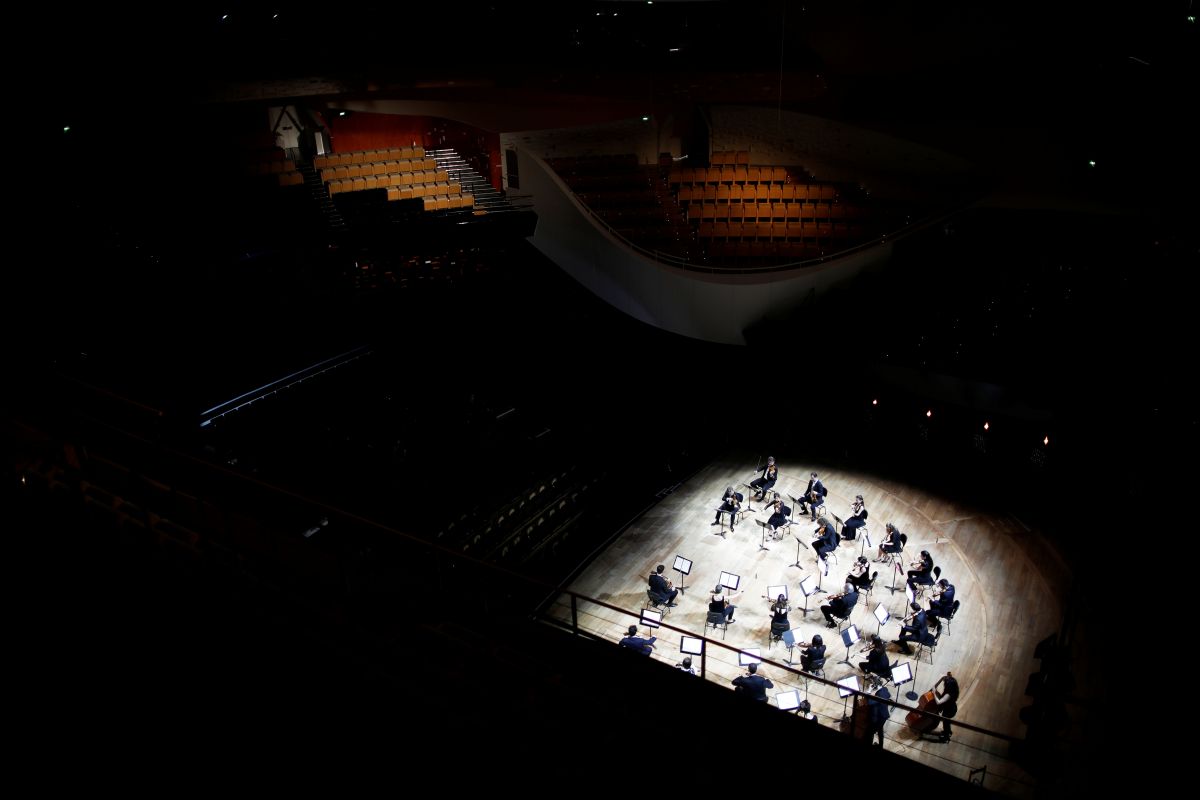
x: 890, y: 543
x: 942, y: 601
x: 917, y: 630
x: 812, y: 657
x: 662, y: 587
x: 770, y: 474
x: 720, y: 604
x: 840, y: 604
x: 877, y: 659
x: 827, y: 541
x: 878, y: 714
x: 752, y: 684
x: 779, y: 616
x: 779, y: 516
x: 921, y: 572
x: 731, y: 504
x: 856, y: 520
x: 946, y: 697
x: 860, y: 573
x: 637, y: 643
x: 813, y: 496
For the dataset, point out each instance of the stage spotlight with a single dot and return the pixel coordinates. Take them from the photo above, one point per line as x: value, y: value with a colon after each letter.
x: 985, y: 426
x: 929, y: 413
x: 1046, y: 441
x: 874, y: 402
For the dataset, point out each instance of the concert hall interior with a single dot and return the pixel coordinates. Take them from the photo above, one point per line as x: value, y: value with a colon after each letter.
x: 368, y: 359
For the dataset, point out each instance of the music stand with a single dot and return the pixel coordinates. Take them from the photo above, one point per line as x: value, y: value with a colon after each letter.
x: 730, y: 581
x: 789, y: 639
x: 796, y: 536
x: 721, y: 530
x: 846, y: 687
x: 684, y: 567
x: 808, y: 586
x: 762, y: 544
x: 691, y: 645
x: 902, y: 674
x: 895, y: 571
x: 788, y: 701
x: 909, y: 598
x: 882, y: 616
x: 773, y: 592
x: 749, y: 656
x: 849, y: 638
x: 651, y: 617
x: 749, y: 497
x: 865, y: 544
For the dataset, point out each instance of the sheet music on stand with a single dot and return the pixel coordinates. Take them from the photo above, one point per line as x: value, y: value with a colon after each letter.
x: 682, y: 565
x: 850, y: 636
x: 651, y: 617
x: 848, y: 686
x: 730, y: 581
x: 789, y: 700
x: 692, y: 646
x: 808, y: 585
x: 908, y: 594
x: 773, y: 592
x: 749, y: 656
x: 902, y: 674
x: 882, y: 615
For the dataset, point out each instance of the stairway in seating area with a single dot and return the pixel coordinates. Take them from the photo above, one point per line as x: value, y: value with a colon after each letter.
x: 487, y: 199
x: 312, y: 180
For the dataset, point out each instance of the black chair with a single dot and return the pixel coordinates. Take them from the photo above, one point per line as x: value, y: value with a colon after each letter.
x: 949, y: 615
x: 921, y: 584
x: 778, y: 629
x: 840, y: 621
x: 717, y: 620
x: 865, y: 590
x: 658, y: 601
x: 929, y: 643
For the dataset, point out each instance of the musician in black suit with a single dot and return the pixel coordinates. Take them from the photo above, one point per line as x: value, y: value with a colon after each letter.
x: 915, y: 631
x: 637, y: 643
x: 840, y: 605
x: 770, y: 474
x: 856, y: 520
x: 731, y: 504
x: 661, y: 586
x: 812, y: 658
x: 752, y: 684
x: 877, y: 715
x: 827, y: 542
x: 814, y: 495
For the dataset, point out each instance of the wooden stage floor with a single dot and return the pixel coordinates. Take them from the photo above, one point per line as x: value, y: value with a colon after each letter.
x: 1006, y: 576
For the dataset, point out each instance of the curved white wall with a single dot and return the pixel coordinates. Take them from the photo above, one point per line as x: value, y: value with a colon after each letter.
x: 717, y: 308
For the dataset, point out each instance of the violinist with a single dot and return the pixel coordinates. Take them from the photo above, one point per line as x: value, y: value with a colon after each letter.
x: 812, y: 658
x: 857, y: 519
x: 731, y: 504
x: 770, y: 474
x: 780, y: 515
x: 921, y: 572
x: 813, y: 497
x: 662, y: 587
x: 890, y: 544
x: 917, y: 630
x: 779, y: 616
x: 860, y: 573
x: 827, y: 541
x: 942, y: 601
x: 720, y: 605
x: 877, y: 659
x: 840, y: 605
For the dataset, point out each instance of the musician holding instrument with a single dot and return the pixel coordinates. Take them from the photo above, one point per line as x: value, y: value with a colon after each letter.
x: 921, y: 571
x: 826, y: 542
x: 731, y: 504
x: 856, y: 520
x: 770, y: 474
x: 720, y: 605
x: 752, y: 684
x: 780, y: 515
x: 779, y: 616
x: 917, y: 630
x: 840, y: 604
x: 637, y: 643
x: 877, y: 662
x: 814, y: 496
x: 877, y: 714
x: 946, y: 697
x: 663, y: 587
x: 860, y: 573
x: 891, y: 542
x: 812, y: 657
x: 942, y: 601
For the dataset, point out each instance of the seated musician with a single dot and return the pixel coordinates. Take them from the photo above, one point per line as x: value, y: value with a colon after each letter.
x: 921, y: 573
x: 857, y: 519
x: 770, y: 474
x: 860, y: 573
x: 779, y: 616
x: 813, y: 496
x: 720, y: 605
x: 662, y: 587
x: 812, y: 658
x: 827, y: 541
x: 917, y: 630
x: 840, y: 605
x: 942, y: 600
x: 731, y: 504
x: 890, y: 544
x: 877, y: 659
x: 779, y: 517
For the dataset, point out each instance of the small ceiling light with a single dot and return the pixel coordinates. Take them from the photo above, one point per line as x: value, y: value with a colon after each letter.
x: 985, y: 426
x: 1046, y: 441
x: 874, y: 402
x: 929, y: 413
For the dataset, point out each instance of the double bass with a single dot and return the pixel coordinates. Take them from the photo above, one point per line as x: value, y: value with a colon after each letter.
x: 922, y: 723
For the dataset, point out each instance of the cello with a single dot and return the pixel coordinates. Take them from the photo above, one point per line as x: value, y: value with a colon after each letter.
x: 923, y: 723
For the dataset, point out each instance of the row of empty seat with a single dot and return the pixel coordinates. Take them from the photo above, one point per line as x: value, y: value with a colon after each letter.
x: 688, y: 176
x: 754, y: 212
x: 786, y: 231
x: 382, y: 182
x: 785, y: 193
x: 378, y: 168
x: 367, y: 156
x: 438, y: 202
x: 730, y: 157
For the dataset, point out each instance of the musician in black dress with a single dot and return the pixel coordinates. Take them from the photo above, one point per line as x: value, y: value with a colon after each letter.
x: 891, y: 542
x: 812, y: 658
x: 720, y: 604
x: 769, y: 475
x: 922, y: 572
x: 731, y: 504
x: 779, y: 516
x: 945, y: 694
x: 856, y: 520
x: 860, y: 573
x: 877, y: 659
x: 779, y: 616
